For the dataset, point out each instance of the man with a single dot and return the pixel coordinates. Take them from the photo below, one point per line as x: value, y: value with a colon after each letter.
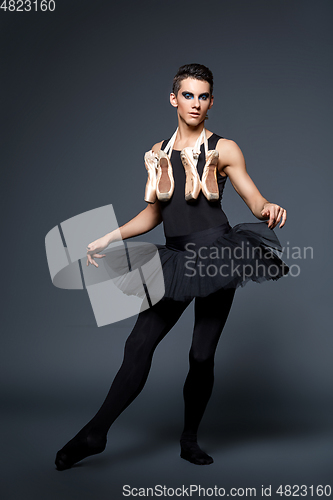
x: 192, y: 96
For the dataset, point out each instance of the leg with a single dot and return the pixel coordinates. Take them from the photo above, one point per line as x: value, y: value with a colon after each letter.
x: 150, y: 328
x: 210, y: 316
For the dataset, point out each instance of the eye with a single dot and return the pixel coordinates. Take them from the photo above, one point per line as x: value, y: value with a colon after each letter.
x: 188, y: 95
x: 204, y: 97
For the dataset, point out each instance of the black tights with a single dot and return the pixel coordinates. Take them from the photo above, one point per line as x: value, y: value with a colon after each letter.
x: 151, y: 327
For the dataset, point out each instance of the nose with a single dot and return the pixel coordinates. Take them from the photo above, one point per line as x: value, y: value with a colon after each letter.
x: 196, y: 102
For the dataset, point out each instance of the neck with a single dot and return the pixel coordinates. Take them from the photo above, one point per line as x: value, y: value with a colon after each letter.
x: 187, y: 133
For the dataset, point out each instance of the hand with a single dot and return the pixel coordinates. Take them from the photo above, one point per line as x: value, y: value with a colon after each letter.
x: 274, y: 212
x: 95, y: 247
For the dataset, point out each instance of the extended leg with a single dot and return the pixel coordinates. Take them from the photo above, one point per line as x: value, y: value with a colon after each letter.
x: 150, y: 328
x: 210, y: 316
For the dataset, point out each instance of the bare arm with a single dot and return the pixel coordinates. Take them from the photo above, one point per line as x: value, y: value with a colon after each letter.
x: 231, y: 162
x: 145, y: 221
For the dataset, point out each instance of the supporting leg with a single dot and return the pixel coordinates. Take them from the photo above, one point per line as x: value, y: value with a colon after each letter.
x: 210, y: 316
x: 150, y: 328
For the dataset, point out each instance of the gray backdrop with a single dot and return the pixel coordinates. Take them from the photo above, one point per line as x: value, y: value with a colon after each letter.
x: 84, y: 93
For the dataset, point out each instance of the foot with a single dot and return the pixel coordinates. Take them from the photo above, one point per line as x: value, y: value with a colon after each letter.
x: 191, y: 451
x: 81, y: 446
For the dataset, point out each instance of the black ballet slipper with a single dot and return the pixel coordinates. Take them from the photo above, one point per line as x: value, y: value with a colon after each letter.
x: 192, y: 452
x: 77, y: 449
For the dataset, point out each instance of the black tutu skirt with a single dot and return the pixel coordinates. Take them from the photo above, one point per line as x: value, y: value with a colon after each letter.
x: 197, y: 264
x: 200, y: 263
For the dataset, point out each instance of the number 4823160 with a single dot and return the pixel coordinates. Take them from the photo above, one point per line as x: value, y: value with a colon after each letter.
x: 28, y: 5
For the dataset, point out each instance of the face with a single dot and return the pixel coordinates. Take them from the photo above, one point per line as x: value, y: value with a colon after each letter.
x: 192, y: 101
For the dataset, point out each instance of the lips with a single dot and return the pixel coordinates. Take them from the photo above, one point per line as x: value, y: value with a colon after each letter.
x: 194, y: 114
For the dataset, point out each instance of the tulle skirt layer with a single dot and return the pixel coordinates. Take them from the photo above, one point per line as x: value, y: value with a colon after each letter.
x: 201, y: 263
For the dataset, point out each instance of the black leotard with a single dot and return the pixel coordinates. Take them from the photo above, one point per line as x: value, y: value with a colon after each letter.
x: 181, y: 217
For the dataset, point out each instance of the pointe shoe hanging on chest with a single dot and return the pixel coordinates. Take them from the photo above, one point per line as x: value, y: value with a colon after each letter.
x: 165, y: 183
x: 192, y: 185
x: 209, y: 184
x: 151, y: 160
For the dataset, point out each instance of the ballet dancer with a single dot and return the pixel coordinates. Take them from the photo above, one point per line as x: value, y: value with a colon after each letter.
x: 186, y: 177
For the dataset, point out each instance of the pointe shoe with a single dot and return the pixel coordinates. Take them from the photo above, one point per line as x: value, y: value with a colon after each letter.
x: 151, y: 167
x: 209, y: 184
x: 165, y: 183
x: 192, y: 186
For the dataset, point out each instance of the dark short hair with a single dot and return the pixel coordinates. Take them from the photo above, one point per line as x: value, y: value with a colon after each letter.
x: 196, y: 71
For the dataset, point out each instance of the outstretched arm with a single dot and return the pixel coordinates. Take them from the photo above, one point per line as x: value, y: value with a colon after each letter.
x: 232, y: 163
x: 145, y: 221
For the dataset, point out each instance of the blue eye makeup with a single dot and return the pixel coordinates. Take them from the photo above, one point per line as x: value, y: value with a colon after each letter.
x: 189, y: 95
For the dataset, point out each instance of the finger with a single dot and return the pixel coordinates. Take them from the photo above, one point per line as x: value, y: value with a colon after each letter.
x: 284, y: 218
x: 269, y: 219
x: 93, y: 261
x: 279, y: 215
x: 272, y: 221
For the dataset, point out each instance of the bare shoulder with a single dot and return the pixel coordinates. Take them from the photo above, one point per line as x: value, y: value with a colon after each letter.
x: 227, y: 146
x: 229, y: 152
x: 157, y: 147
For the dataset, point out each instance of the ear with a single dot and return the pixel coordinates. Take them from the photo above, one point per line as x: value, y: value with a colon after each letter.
x: 211, y: 102
x: 173, y: 100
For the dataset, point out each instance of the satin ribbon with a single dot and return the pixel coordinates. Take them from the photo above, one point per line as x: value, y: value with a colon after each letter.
x: 195, y: 151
